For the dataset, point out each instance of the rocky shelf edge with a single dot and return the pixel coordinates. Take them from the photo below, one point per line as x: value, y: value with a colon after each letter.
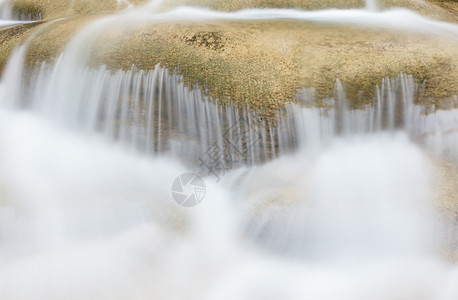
x: 446, y: 10
x: 262, y: 62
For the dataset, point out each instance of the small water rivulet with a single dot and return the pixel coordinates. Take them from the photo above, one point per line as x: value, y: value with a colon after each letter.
x: 5, y: 13
x: 372, y: 5
x: 338, y: 206
x: 8, y: 19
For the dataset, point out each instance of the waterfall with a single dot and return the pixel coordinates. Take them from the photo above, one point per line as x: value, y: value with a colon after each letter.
x: 323, y: 201
x: 88, y: 218
x: 393, y: 109
x: 154, y: 112
x: 8, y: 18
x: 151, y: 112
x: 372, y: 5
x: 5, y: 10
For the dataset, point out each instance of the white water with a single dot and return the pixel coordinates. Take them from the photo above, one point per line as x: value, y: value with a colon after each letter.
x: 154, y: 112
x: 86, y: 210
x: 393, y: 109
x: 372, y: 5
x: 89, y: 220
x: 5, y: 12
x: 395, y: 19
x: 6, y: 15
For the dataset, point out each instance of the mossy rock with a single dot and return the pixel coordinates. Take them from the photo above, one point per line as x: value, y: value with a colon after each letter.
x: 265, y: 62
x: 446, y: 10
x: 235, y: 5
x: 52, y: 9
x: 262, y: 62
x: 11, y: 37
x: 27, y: 11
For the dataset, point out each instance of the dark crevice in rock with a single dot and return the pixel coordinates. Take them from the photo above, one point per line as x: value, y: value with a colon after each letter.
x: 210, y: 40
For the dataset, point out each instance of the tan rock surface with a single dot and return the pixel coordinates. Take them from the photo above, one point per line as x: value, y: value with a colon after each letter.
x: 262, y: 62
x: 49, y: 9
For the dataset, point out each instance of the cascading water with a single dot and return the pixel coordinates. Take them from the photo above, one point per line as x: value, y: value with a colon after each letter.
x: 393, y: 109
x: 330, y: 203
x: 154, y: 112
x: 372, y: 5
x: 7, y: 18
x: 5, y: 13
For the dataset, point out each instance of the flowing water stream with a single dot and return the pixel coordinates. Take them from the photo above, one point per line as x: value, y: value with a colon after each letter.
x: 5, y: 13
x: 372, y: 5
x: 331, y: 203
